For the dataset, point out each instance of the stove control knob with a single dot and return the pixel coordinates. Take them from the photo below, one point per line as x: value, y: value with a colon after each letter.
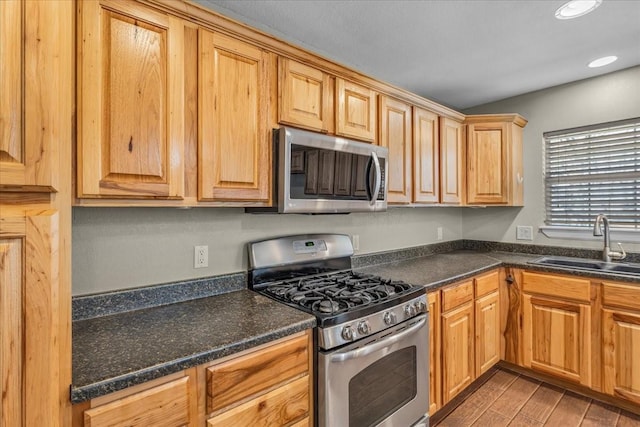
x: 409, y: 310
x: 420, y: 306
x: 347, y: 333
x: 364, y: 328
x: 390, y: 318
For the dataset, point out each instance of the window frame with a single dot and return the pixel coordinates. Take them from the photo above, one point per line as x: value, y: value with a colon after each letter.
x: 589, y: 148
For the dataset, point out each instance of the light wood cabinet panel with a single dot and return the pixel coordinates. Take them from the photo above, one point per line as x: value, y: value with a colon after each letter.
x: 556, y: 286
x: 30, y: 327
x: 458, y: 362
x: 494, y: 160
x: 11, y: 329
x: 487, y: 154
x: 355, y: 111
x: 233, y: 142
x: 130, y: 102
x: 435, y: 371
x: 456, y: 295
x: 556, y: 338
x: 395, y: 134
x: 621, y: 353
x: 279, y: 407
x: 35, y: 56
x: 426, y: 156
x: 452, y: 162
x: 305, y: 96
x: 487, y: 325
x: 165, y: 405
x: 619, y: 295
x: 240, y: 378
x: 486, y: 283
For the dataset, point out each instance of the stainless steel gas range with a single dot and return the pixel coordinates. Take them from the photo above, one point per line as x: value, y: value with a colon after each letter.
x: 372, y: 344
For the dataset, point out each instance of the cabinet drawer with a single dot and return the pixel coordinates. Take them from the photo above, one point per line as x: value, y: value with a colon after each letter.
x: 166, y: 405
x: 240, y: 378
x: 457, y: 295
x: 618, y: 295
x: 486, y: 284
x: 557, y: 286
x: 281, y: 406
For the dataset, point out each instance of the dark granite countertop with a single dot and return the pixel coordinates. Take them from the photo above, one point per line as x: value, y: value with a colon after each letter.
x: 113, y: 352
x: 437, y: 270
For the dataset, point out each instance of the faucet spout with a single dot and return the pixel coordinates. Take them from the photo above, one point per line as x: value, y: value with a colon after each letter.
x: 607, y: 254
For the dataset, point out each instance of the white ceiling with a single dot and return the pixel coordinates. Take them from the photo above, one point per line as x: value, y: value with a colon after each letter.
x: 461, y: 53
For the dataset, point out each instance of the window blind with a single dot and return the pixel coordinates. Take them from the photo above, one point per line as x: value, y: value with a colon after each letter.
x: 593, y: 170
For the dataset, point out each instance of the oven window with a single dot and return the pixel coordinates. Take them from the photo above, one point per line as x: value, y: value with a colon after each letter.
x: 383, y: 387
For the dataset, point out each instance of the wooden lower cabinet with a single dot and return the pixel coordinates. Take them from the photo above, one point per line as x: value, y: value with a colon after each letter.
x: 458, y: 362
x: 266, y: 387
x: 556, y: 326
x: 621, y: 341
x: 487, y: 321
x: 435, y: 374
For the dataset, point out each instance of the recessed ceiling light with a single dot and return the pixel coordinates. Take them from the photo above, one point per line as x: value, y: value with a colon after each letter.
x: 575, y: 8
x: 601, y: 62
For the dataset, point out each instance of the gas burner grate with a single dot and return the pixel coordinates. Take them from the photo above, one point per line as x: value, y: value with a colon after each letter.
x: 337, y: 292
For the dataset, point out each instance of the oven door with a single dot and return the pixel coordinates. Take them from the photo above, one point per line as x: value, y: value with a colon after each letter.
x: 381, y: 380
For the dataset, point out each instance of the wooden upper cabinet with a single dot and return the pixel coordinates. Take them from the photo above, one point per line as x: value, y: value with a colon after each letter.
x: 234, y: 141
x: 305, y: 96
x: 426, y: 153
x: 452, y: 162
x: 355, y: 111
x: 395, y: 134
x: 494, y: 160
x: 33, y: 60
x: 131, y: 97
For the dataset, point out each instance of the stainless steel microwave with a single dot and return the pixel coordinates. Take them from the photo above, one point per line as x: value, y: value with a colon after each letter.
x: 317, y: 173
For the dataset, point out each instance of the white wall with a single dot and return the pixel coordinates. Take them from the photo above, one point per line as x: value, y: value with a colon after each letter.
x: 118, y: 248
x: 611, y: 97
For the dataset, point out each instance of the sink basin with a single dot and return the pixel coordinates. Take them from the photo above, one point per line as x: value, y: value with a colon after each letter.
x: 589, y: 264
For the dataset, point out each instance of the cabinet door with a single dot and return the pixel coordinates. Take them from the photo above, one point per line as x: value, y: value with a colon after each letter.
x: 621, y: 353
x: 131, y: 98
x: 457, y: 351
x: 426, y: 153
x: 487, y: 332
x: 557, y: 338
x: 233, y: 142
x: 29, y: 327
x: 395, y: 134
x: 355, y: 111
x: 487, y: 163
x: 305, y: 96
x: 452, y: 161
x: 435, y: 377
x: 166, y: 405
x: 33, y: 60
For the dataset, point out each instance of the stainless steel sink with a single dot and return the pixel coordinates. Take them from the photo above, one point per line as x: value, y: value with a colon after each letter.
x: 589, y: 264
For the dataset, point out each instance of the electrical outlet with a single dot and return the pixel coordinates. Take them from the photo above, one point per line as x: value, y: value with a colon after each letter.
x: 201, y: 256
x: 355, y: 241
x: 439, y: 231
x: 524, y: 232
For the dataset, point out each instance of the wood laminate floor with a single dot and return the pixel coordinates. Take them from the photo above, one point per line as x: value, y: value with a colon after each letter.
x: 510, y: 399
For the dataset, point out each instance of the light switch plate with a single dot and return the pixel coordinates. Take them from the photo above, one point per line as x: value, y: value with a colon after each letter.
x: 524, y: 232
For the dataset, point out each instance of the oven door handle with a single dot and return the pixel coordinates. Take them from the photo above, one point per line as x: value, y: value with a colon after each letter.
x: 370, y: 348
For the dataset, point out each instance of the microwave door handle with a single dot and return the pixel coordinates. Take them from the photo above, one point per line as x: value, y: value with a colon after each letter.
x: 370, y: 348
x: 378, y: 182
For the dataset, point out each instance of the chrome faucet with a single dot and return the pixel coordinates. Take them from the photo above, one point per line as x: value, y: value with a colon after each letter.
x: 607, y: 253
